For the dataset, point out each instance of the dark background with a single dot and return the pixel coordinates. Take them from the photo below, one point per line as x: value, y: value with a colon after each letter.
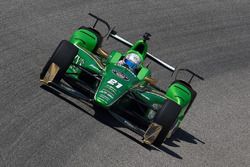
x: 211, y: 37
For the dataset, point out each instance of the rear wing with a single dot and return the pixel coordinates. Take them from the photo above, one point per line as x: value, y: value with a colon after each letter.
x: 113, y: 34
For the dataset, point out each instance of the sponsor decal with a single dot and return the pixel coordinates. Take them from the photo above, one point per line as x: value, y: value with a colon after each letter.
x: 120, y: 75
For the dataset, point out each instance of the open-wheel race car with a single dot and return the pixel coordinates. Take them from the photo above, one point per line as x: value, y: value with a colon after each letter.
x: 120, y: 82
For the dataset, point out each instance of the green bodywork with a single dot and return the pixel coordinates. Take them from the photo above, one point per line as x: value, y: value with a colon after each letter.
x: 84, y: 39
x: 182, y: 96
x: 136, y: 47
x: 117, y: 80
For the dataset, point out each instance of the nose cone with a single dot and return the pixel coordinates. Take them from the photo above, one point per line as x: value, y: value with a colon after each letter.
x: 116, y: 82
x: 101, y: 102
x: 106, y: 95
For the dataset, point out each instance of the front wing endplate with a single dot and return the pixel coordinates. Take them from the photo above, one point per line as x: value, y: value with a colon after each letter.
x: 152, y: 132
x: 51, y: 73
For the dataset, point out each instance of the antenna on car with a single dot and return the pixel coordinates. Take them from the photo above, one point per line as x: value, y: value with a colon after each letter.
x: 101, y: 20
x: 148, y: 64
x: 146, y: 36
x: 189, y: 71
x: 111, y: 31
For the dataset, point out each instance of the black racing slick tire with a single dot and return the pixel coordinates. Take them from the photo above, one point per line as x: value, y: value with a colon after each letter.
x: 63, y: 56
x: 166, y: 117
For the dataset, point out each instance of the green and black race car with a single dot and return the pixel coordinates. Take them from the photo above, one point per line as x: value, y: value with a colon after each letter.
x: 119, y: 82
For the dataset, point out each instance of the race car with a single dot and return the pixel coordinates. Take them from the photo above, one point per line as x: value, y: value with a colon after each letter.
x: 120, y: 83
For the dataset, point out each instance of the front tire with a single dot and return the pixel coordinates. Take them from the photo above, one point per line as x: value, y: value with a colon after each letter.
x: 63, y: 56
x: 166, y: 117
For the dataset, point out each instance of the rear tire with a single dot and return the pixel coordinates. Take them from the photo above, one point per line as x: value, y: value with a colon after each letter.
x: 63, y: 56
x: 166, y: 117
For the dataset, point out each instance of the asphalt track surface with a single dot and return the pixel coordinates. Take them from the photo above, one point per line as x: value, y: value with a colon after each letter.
x: 38, y: 128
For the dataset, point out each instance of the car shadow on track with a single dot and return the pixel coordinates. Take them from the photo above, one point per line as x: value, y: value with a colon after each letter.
x: 182, y: 135
x: 105, y: 118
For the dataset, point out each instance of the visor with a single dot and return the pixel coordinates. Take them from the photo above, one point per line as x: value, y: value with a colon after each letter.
x: 130, y: 64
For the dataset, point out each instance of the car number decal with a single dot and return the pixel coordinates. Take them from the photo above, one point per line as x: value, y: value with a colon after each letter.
x: 115, y: 83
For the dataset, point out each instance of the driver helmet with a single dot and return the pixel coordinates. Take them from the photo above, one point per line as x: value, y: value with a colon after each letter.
x: 132, y: 60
